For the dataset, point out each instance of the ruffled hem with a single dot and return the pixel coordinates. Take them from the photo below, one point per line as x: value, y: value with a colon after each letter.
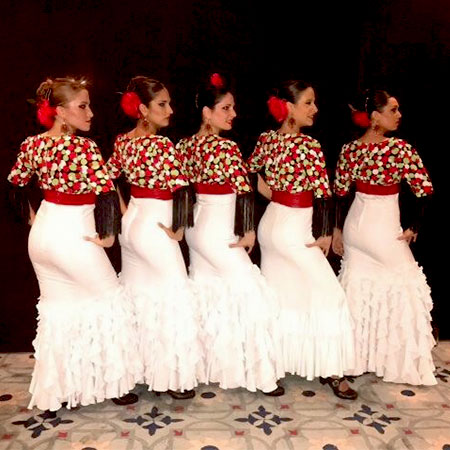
x: 318, y: 343
x: 169, y: 344
x: 239, y: 331
x: 84, y: 351
x: 393, y: 334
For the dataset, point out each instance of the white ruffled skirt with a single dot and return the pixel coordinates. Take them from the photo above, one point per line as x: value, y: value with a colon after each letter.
x: 388, y: 294
x: 155, y: 276
x: 84, y: 347
x: 237, y: 309
x: 315, y: 323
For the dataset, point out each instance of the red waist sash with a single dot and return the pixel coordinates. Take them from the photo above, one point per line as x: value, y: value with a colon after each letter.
x: 142, y: 192
x: 61, y: 198
x: 376, y: 189
x: 213, y: 188
x: 298, y: 200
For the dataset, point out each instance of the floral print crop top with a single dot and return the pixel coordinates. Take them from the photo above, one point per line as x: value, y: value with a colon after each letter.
x: 384, y: 163
x: 148, y: 161
x: 292, y: 162
x: 215, y: 160
x: 70, y: 164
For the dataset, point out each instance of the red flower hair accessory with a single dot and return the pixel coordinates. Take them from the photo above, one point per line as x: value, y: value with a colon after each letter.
x: 360, y: 118
x: 278, y: 108
x: 46, y: 114
x: 129, y: 103
x: 217, y: 81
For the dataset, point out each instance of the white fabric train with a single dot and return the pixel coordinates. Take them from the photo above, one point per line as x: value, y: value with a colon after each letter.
x: 388, y: 295
x: 317, y: 335
x: 86, y: 339
x: 237, y: 309
x: 154, y: 274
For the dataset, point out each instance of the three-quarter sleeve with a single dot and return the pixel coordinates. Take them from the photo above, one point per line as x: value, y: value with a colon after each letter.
x: 414, y: 172
x: 23, y: 169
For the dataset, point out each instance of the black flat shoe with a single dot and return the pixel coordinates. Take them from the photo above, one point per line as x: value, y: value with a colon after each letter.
x: 334, y: 383
x: 278, y: 392
x: 127, y: 399
x: 185, y: 395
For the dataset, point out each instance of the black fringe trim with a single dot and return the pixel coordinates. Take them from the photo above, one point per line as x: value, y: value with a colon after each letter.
x: 18, y: 200
x: 342, y: 203
x: 107, y: 214
x: 412, y: 214
x: 245, y: 214
x: 323, y: 220
x: 183, y: 209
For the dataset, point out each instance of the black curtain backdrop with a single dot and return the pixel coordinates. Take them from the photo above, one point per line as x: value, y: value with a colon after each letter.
x: 400, y: 45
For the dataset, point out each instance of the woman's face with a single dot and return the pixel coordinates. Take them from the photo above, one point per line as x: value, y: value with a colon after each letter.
x: 221, y: 116
x: 304, y: 109
x: 389, y: 118
x: 76, y: 113
x: 159, y: 111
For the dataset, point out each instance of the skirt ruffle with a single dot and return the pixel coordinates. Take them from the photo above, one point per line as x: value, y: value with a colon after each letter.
x: 84, y: 351
x: 393, y: 335
x: 239, y: 331
x: 169, y: 344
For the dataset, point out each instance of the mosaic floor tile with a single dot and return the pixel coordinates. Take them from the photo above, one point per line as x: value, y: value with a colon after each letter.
x: 385, y: 416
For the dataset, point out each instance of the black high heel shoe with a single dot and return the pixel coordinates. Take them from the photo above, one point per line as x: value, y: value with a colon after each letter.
x: 277, y: 392
x: 127, y: 399
x: 185, y: 395
x: 334, y: 383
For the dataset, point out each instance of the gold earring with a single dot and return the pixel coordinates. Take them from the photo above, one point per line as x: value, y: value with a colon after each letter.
x: 64, y: 127
x: 291, y: 122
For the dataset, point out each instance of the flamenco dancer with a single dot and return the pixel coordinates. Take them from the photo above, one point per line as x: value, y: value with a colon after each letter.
x: 236, y: 307
x: 314, y: 320
x: 153, y: 269
x: 84, y: 348
x: 387, y: 292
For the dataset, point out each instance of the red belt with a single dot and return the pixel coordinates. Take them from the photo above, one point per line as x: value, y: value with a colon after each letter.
x: 142, y: 192
x: 213, y: 189
x: 61, y: 198
x: 377, y: 189
x: 298, y: 200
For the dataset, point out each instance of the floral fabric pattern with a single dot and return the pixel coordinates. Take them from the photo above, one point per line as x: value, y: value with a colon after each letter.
x: 215, y: 160
x: 384, y: 163
x: 148, y: 161
x: 70, y: 164
x: 292, y: 163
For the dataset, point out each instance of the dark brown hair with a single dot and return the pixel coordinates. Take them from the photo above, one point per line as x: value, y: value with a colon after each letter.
x: 146, y: 88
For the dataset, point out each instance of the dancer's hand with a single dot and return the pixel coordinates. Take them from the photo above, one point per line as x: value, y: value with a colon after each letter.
x: 175, y: 236
x: 408, y: 236
x: 338, y: 242
x: 324, y: 243
x: 247, y: 241
x: 106, y: 242
x: 263, y: 188
x: 32, y: 216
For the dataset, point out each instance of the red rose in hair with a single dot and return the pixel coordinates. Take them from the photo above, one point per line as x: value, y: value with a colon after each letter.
x: 130, y: 102
x: 277, y: 108
x: 360, y: 118
x: 46, y: 114
x: 217, y: 81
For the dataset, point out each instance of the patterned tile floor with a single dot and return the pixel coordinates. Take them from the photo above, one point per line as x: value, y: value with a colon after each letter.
x: 385, y: 416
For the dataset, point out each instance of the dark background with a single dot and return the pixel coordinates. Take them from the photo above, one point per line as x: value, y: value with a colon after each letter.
x: 401, y: 45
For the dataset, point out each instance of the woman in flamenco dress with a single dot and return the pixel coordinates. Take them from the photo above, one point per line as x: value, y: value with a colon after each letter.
x: 237, y: 310
x: 295, y: 237
x: 84, y: 347
x: 387, y: 292
x: 153, y: 269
